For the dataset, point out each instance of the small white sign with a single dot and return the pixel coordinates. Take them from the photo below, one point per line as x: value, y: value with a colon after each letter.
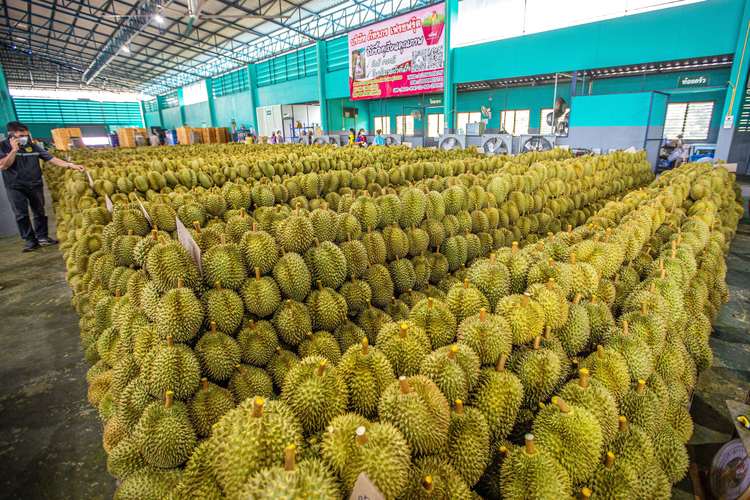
x: 365, y: 490
x: 187, y: 241
x: 145, y: 213
x: 729, y: 121
x: 108, y: 203
x: 91, y: 181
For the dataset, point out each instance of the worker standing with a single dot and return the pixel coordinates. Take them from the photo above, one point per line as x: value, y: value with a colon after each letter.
x: 22, y: 176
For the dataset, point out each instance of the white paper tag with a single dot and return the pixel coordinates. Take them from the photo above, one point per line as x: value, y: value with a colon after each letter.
x: 108, y: 203
x: 91, y: 181
x: 365, y: 490
x: 187, y: 241
x: 145, y: 213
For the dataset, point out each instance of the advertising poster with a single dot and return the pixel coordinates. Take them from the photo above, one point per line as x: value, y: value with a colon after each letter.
x: 399, y: 57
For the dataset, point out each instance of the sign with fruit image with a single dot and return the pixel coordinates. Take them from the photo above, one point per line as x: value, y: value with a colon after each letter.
x: 399, y: 57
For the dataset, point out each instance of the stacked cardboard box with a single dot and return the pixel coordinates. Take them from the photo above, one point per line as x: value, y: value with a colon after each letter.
x: 63, y: 136
x: 128, y: 137
x: 207, y: 135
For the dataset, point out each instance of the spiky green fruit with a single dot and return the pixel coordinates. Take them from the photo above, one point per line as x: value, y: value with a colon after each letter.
x: 249, y: 381
x: 327, y: 264
x: 524, y: 315
x: 465, y: 300
x: 532, y: 472
x: 208, y: 405
x: 454, y: 369
x: 258, y: 342
x: 198, y: 480
x: 348, y: 334
x: 405, y: 345
x: 670, y: 452
x: 434, y: 477
x: 489, y: 335
x: 164, y: 434
x: 468, y: 442
x: 293, y: 276
x: 357, y: 294
x: 436, y: 319
x: 169, y: 262
x: 593, y: 396
x: 642, y: 407
x: 280, y: 364
x: 315, y: 392
x: 367, y: 372
x: 295, y: 233
x: 261, y: 295
x: 498, y: 395
x: 224, y: 264
x: 148, y: 483
x: 309, y: 478
x: 539, y: 369
x: 179, y: 314
x: 172, y: 367
x: 259, y: 250
x: 224, y: 307
x: 615, y: 479
x: 402, y: 274
x: 322, y: 344
x: 381, y: 284
x: 575, y: 333
x: 609, y: 367
x: 328, y: 309
x: 492, y: 278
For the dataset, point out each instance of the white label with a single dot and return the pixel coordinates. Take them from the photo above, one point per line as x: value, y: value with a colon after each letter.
x: 91, y: 181
x: 187, y: 241
x: 108, y: 203
x: 145, y: 213
x: 729, y: 121
x: 365, y: 490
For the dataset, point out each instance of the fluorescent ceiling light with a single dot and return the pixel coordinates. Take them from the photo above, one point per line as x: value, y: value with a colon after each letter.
x: 159, y: 19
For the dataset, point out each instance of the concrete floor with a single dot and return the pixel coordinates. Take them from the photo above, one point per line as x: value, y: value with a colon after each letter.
x: 50, y: 438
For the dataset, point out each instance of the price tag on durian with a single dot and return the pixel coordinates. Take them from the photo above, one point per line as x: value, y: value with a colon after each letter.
x: 365, y: 490
x: 108, y: 203
x: 187, y: 241
x: 91, y: 181
x: 145, y: 213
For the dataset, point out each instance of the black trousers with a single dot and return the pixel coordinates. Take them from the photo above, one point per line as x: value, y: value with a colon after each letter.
x: 21, y: 199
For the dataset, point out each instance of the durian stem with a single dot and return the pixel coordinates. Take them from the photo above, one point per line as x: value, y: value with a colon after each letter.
x: 459, y: 407
x: 514, y: 247
x: 622, y: 423
x: 403, y: 329
x: 290, y: 457
x: 180, y: 282
x: 466, y: 282
x: 585, y: 493
x: 663, y: 274
x: 255, y: 226
x: 500, y: 366
x: 525, y: 299
x: 258, y: 404
x: 641, y: 386
x: 550, y: 283
x: 570, y: 228
x: 594, y: 300
x: 564, y: 408
x: 204, y: 383
x: 257, y: 273
x: 361, y: 435
x: 572, y: 258
x: 320, y: 285
x: 452, y: 352
x: 427, y: 483
x: 365, y: 346
x: 537, y: 342
x: 503, y: 450
x: 600, y: 350
x: 529, y: 443
x: 644, y: 308
x: 322, y: 367
x: 154, y: 234
x: 492, y: 257
x: 170, y: 340
x: 583, y: 377
x: 168, y: 399
x: 117, y: 293
x: 429, y: 303
x: 482, y: 314
x: 547, y: 332
x: 213, y: 327
x: 217, y: 285
x: 403, y: 384
x: 610, y: 460
x: 197, y: 226
x: 577, y: 298
x: 625, y: 327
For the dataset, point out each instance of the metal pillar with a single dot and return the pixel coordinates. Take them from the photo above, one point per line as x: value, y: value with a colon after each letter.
x: 180, y: 102
x: 320, y: 48
x: 451, y: 14
x: 211, y: 105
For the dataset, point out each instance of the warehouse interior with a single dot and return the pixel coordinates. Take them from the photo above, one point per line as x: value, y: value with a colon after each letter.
x: 383, y: 248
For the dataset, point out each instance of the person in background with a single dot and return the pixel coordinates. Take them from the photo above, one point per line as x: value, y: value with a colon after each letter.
x: 273, y: 138
x: 22, y: 176
x: 352, y: 136
x: 379, y: 139
x: 361, y: 138
x: 279, y: 137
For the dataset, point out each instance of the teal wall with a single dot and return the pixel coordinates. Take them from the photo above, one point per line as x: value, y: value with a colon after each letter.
x: 612, y: 110
x: 197, y: 115
x: 152, y: 119
x: 7, y: 111
x: 234, y: 107
x: 710, y: 27
x: 289, y: 92
x: 172, y: 118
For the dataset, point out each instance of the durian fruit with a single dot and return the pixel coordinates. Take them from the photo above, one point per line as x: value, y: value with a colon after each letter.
x: 172, y: 367
x: 349, y: 334
x: 352, y: 446
x: 419, y: 410
x: 309, y: 478
x: 381, y: 284
x: 614, y: 479
x: 553, y: 302
x: 218, y: 354
x: 670, y: 452
x: 642, y: 407
x: 198, y: 479
x: 224, y: 263
x: 454, y: 369
x: 164, y: 434
x: 498, y: 395
x: 208, y: 405
x: 465, y: 300
x: 492, y: 278
x: 489, y: 335
x: 258, y: 341
x: 593, y: 396
x: 167, y: 262
x: 315, y: 392
x: 125, y: 458
x: 601, y: 321
x: 539, y: 370
x: 637, y: 354
x: 468, y: 442
x: 679, y: 418
x: 292, y: 321
x: 572, y: 436
x: 328, y: 309
x: 180, y: 314
x: 250, y: 438
x: 293, y: 276
x: 524, y: 315
x: 322, y: 344
x: 295, y: 233
x: 259, y: 250
x: 357, y: 294
x: 405, y: 345
x: 633, y: 446
x: 608, y: 366
x: 576, y: 332
x: 434, y: 477
x: 261, y: 295
x: 224, y: 307
x: 489, y: 485
x: 327, y: 264
x: 371, y: 320
x: 531, y: 472
x: 249, y: 381
x: 403, y: 275
x: 367, y: 372
x: 280, y: 364
x: 148, y: 483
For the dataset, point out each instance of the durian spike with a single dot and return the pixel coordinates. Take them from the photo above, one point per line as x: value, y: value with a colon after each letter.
x: 403, y: 329
x: 577, y: 298
x: 529, y: 444
x: 641, y: 386
x: 322, y: 367
x: 204, y: 383
x: 500, y: 366
x: 429, y: 303
x: 180, y: 282
x: 197, y: 226
x: 170, y: 340
x: 258, y: 404
x: 213, y: 327
x: 482, y: 314
x: 525, y: 299
x: 622, y: 423
x: 610, y: 460
x: 290, y: 457
x: 361, y: 435
x: 459, y: 406
x: 168, y: 399
x: 427, y: 483
x: 257, y: 273
x: 404, y: 385
x: 583, y: 377
x: 466, y: 282
x: 537, y: 342
x: 625, y: 327
x: 365, y: 345
x: 564, y: 407
x: 452, y: 351
x: 514, y: 247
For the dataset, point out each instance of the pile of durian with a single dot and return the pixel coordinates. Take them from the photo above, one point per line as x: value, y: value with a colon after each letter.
x: 450, y: 325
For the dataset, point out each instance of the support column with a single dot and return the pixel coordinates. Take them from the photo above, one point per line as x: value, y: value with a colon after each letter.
x: 451, y: 14
x: 7, y: 108
x: 253, y: 87
x: 320, y: 48
x: 211, y: 105
x: 182, y: 107
x: 736, y: 88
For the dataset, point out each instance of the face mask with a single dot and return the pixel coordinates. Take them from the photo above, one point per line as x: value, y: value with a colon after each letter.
x: 23, y: 140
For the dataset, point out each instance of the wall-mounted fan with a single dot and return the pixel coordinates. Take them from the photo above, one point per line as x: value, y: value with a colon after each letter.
x: 535, y: 143
x: 452, y: 141
x: 494, y: 144
x: 194, y: 8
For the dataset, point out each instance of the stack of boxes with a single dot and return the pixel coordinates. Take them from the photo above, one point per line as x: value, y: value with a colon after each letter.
x: 62, y: 137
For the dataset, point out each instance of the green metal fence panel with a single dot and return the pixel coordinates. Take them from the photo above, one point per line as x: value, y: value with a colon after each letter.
x: 337, y: 50
x: 231, y: 83
x: 73, y: 112
x: 293, y: 66
x: 170, y: 100
x: 151, y: 106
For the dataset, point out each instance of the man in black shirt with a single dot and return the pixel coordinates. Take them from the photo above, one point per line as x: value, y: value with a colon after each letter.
x: 22, y: 176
